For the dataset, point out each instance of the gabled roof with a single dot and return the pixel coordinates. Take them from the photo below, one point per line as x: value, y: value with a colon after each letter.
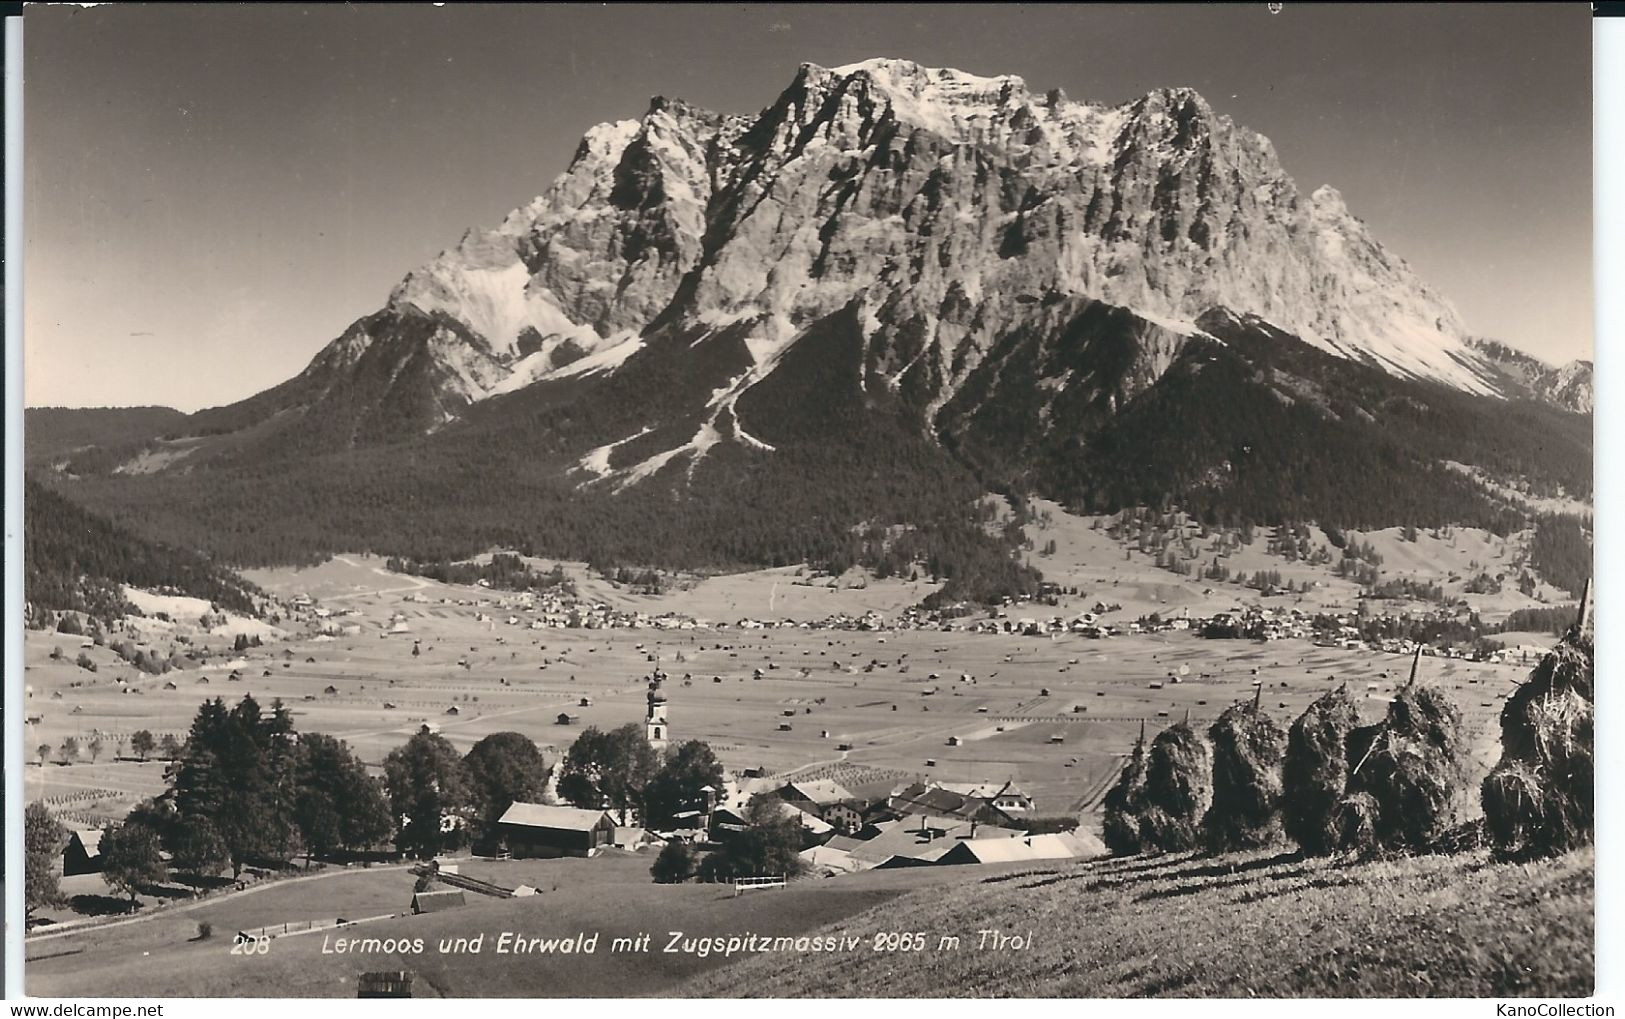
x: 983, y: 790
x: 905, y: 839
x: 734, y: 818
x: 737, y: 792
x: 428, y: 902
x: 91, y: 840
x: 541, y: 815
x: 808, y: 820
x: 924, y: 859
x: 820, y: 791
x: 1033, y: 847
x: 834, y: 859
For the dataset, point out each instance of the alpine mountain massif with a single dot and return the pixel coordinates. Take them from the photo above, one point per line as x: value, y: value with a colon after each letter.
x: 827, y: 328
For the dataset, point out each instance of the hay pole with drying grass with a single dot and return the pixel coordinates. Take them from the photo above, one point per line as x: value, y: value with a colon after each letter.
x: 1539, y: 799
x: 1247, y: 748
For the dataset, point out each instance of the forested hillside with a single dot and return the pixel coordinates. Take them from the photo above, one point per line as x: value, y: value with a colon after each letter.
x: 1245, y: 426
x: 77, y: 561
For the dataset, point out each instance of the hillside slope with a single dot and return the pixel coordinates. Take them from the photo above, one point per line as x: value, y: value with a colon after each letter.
x: 77, y: 561
x: 819, y: 333
x: 1260, y: 924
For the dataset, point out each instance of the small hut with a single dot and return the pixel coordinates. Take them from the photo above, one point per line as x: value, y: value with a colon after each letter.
x: 83, y: 853
x: 435, y: 901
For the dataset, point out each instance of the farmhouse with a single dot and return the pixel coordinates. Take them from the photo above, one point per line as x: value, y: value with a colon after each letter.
x: 827, y: 800
x: 434, y: 902
x: 964, y: 802
x: 817, y: 792
x: 1007, y: 797
x: 829, y: 858
x: 83, y: 853
x: 1031, y: 847
x: 727, y: 821
x: 631, y: 838
x: 914, y: 840
x: 538, y: 830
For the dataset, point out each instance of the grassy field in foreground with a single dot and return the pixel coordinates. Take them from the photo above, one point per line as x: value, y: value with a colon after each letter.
x: 1263, y: 924
x: 611, y: 896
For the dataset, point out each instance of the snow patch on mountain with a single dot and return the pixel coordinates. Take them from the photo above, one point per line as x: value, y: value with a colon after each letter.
x: 597, y: 461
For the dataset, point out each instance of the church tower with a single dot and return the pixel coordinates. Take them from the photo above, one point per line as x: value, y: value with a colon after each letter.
x: 654, y: 723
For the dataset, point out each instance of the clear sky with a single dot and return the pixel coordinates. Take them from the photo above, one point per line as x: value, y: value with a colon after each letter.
x: 214, y: 193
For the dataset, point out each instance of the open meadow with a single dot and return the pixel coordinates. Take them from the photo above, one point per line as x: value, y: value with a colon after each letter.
x: 1054, y: 713
x: 869, y: 707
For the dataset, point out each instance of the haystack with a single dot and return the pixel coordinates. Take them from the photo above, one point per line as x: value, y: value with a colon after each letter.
x: 1353, y: 822
x: 1124, y: 802
x: 1412, y: 767
x: 1539, y: 799
x: 1178, y: 789
x: 1315, y: 771
x: 1246, y: 808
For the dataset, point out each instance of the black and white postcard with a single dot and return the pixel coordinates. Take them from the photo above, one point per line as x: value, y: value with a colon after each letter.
x: 807, y: 501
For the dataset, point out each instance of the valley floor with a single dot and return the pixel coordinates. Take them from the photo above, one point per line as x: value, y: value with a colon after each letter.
x: 1265, y: 924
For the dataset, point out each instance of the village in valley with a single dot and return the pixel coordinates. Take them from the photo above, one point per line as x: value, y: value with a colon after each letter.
x: 589, y: 742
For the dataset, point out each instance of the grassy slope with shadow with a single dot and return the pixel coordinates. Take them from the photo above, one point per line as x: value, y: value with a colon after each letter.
x: 1256, y: 924
x: 611, y: 895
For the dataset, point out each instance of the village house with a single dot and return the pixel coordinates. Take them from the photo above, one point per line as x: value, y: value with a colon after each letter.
x: 1063, y: 846
x: 435, y: 901
x: 83, y: 853
x: 1008, y: 798
x: 826, y: 799
x: 727, y: 821
x: 912, y: 841
x: 967, y: 802
x: 540, y: 831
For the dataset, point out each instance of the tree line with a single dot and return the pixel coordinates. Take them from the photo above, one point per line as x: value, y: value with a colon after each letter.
x: 504, y: 571
x: 246, y: 788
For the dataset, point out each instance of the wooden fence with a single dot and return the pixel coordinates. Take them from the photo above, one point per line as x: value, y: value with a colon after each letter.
x: 293, y: 927
x: 747, y: 884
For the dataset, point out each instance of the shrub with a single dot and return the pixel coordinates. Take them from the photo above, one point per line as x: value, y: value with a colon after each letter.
x: 674, y: 865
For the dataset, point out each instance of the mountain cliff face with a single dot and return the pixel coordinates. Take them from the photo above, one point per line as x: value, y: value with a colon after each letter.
x: 742, y: 339
x: 1567, y: 386
x: 941, y: 205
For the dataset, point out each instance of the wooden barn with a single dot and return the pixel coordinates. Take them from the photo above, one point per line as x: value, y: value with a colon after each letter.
x: 538, y: 830
x: 83, y: 853
x: 435, y: 901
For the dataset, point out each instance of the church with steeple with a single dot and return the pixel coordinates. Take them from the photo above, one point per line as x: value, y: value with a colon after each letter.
x: 654, y: 722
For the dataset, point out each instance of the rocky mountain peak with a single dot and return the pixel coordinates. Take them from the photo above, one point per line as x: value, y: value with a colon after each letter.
x: 938, y: 200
